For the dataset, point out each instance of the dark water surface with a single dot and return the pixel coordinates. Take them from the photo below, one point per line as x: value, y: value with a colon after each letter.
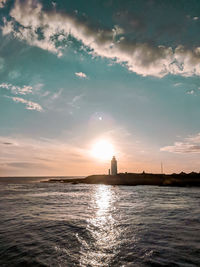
x: 97, y: 225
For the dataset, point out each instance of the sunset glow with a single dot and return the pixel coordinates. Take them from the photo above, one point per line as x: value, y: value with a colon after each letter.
x: 102, y: 150
x: 80, y: 83
x: 99, y: 132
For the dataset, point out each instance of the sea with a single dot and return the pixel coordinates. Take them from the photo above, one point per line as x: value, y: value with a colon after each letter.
x: 57, y: 224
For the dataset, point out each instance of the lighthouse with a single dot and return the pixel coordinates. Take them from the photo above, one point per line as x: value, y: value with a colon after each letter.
x: 113, y: 166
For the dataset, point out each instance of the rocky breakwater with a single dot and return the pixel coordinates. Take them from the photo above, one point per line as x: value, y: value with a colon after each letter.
x: 182, y: 179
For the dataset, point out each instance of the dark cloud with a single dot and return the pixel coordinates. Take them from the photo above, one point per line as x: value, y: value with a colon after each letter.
x: 131, y: 42
x: 27, y: 165
x: 7, y: 143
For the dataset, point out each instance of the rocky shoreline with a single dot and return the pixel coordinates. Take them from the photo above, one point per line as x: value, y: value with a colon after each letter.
x: 132, y: 179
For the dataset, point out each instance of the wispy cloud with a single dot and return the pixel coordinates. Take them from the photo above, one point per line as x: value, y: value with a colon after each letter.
x: 190, y: 144
x: 75, y: 100
x: 26, y: 89
x: 7, y: 143
x: 56, y: 94
x: 51, y: 98
x: 141, y: 58
x: 39, y: 156
x: 80, y: 74
x: 177, y: 84
x: 28, y: 104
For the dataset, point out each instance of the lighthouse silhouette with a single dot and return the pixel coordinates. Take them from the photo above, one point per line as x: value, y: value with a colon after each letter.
x: 113, y: 166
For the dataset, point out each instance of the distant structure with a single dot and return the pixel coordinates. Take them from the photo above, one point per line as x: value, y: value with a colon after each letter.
x: 113, y: 166
x: 108, y: 171
x: 161, y: 166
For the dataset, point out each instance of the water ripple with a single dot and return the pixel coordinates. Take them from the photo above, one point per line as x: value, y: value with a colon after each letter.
x: 98, y: 225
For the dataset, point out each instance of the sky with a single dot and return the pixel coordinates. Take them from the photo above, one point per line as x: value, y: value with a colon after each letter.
x: 76, y: 73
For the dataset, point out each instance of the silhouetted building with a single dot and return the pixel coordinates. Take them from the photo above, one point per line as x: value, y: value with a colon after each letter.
x: 108, y: 171
x: 113, y: 166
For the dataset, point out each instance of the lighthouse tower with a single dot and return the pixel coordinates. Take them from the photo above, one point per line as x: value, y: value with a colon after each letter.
x: 113, y: 166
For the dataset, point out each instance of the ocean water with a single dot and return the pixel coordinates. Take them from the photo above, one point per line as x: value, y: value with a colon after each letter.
x: 43, y: 224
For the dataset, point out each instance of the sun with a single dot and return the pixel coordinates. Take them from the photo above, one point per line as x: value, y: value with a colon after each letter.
x: 102, y: 150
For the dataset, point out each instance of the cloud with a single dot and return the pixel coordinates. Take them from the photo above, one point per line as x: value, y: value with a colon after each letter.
x: 80, y: 74
x: 31, y: 156
x: 8, y: 27
x: 177, y: 84
x: 7, y: 143
x: 27, y: 165
x: 194, y: 138
x: 75, y: 101
x: 2, y: 3
x: 189, y: 145
x: 190, y: 92
x: 57, y: 94
x: 26, y: 89
x: 29, y: 104
x: 51, y: 99
x: 29, y: 18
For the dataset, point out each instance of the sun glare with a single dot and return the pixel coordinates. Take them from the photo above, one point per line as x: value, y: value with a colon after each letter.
x: 102, y: 150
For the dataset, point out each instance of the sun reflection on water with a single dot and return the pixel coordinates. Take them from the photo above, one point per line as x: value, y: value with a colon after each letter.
x: 103, y: 241
x: 103, y: 200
